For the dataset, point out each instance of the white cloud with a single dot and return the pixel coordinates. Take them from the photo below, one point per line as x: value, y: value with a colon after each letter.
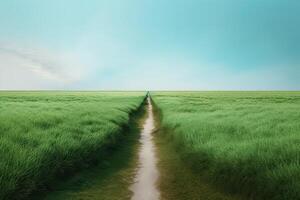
x: 38, y: 68
x: 109, y: 64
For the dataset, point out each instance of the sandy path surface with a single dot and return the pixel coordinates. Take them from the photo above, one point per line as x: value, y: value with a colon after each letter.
x: 144, y: 187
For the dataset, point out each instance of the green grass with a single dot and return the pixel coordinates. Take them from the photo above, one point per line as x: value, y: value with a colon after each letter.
x: 111, y: 177
x: 46, y: 135
x: 177, y: 180
x: 245, y: 142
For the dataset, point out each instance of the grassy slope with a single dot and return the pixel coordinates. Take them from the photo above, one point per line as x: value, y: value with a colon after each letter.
x: 247, y: 142
x: 52, y: 134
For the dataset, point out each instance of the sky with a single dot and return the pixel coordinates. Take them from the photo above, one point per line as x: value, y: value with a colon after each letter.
x: 150, y: 45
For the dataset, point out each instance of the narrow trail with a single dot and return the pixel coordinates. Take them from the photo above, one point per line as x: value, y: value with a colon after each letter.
x: 144, y: 187
x: 144, y: 166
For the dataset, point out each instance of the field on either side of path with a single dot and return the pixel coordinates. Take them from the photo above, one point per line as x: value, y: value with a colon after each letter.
x: 44, y: 135
x: 245, y: 142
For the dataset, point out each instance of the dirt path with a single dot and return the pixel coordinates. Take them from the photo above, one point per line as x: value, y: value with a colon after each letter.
x: 145, y: 166
x: 144, y: 187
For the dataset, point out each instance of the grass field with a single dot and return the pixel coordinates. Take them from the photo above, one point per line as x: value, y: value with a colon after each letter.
x: 111, y: 177
x: 245, y: 142
x: 45, y: 135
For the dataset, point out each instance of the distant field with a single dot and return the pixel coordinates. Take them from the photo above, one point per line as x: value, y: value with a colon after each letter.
x: 48, y: 134
x: 246, y: 142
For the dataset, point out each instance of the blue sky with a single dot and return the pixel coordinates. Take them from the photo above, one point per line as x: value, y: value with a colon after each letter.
x: 150, y: 44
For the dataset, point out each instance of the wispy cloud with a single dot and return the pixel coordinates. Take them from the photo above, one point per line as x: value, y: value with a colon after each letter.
x: 40, y: 65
